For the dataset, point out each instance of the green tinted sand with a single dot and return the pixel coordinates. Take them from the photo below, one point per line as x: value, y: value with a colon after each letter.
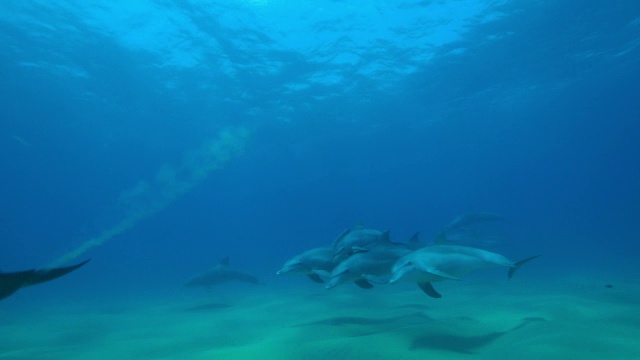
x: 502, y: 320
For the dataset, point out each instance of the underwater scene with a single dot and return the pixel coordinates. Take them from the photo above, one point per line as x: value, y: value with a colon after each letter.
x: 331, y: 179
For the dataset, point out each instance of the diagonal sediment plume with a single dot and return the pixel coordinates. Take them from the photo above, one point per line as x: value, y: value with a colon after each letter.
x: 147, y: 198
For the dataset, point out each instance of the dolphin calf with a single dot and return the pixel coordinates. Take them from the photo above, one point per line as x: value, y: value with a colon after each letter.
x: 10, y: 282
x: 364, y: 266
x: 446, y: 262
x: 314, y: 263
x: 356, y: 240
x: 219, y: 274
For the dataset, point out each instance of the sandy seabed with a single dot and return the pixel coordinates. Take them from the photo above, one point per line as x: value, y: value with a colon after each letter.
x: 566, y: 319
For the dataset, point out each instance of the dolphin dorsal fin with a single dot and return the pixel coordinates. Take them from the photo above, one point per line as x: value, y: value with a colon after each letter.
x: 359, y: 225
x: 225, y: 261
x: 415, y: 238
x: 441, y: 238
x: 385, y: 237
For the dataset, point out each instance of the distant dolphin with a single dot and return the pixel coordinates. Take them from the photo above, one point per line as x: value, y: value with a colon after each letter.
x: 363, y: 266
x: 219, y: 274
x: 464, y: 221
x: 314, y: 263
x: 356, y: 240
x: 447, y: 262
x: 13, y: 281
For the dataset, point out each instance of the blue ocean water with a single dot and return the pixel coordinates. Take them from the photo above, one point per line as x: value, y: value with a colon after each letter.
x: 156, y: 137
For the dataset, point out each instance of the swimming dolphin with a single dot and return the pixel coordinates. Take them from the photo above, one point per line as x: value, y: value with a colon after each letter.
x: 356, y: 240
x: 13, y: 281
x: 470, y: 229
x: 466, y: 220
x: 447, y: 262
x: 314, y: 263
x: 364, y: 266
x: 219, y: 274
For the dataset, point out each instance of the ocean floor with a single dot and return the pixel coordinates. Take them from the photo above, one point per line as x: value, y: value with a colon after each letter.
x: 566, y: 319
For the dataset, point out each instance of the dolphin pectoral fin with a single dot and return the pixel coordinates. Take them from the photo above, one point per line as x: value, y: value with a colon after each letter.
x: 315, y: 278
x: 11, y: 282
x: 516, y: 266
x: 443, y: 274
x: 362, y: 283
x: 44, y: 275
x: 429, y: 290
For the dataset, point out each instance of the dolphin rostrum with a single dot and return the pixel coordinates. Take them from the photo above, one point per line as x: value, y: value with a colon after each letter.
x: 10, y: 282
x: 314, y: 263
x: 447, y: 262
x: 221, y: 273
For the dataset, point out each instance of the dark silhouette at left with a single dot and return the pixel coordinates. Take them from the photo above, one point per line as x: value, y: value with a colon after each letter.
x: 10, y: 282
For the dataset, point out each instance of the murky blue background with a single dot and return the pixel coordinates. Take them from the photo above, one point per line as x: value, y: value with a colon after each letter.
x: 396, y: 115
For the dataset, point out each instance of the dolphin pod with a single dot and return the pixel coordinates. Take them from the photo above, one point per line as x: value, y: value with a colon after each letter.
x: 10, y: 282
x: 359, y: 255
x: 368, y: 256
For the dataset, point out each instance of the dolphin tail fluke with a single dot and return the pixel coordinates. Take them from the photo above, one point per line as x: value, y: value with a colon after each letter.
x: 11, y: 282
x: 44, y: 275
x: 516, y: 266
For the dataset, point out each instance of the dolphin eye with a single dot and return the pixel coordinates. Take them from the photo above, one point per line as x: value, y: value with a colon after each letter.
x: 409, y: 263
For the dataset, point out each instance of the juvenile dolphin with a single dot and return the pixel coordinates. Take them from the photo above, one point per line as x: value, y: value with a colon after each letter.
x: 10, y: 282
x: 314, y: 263
x: 447, y: 262
x: 356, y: 240
x: 219, y: 274
x: 364, y: 266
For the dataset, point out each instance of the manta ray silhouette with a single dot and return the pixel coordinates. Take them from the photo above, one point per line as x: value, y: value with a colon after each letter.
x: 10, y: 282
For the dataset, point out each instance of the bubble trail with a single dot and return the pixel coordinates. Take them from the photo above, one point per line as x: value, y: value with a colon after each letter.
x: 148, y: 198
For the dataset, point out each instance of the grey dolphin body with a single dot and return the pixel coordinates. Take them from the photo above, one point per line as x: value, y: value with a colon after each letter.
x: 363, y: 266
x: 468, y: 219
x: 471, y: 227
x: 314, y: 263
x: 356, y: 240
x: 13, y: 281
x: 219, y: 274
x: 447, y: 262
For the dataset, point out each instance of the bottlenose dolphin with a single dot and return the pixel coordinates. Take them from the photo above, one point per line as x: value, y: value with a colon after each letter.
x: 466, y: 220
x: 355, y: 240
x: 447, y: 262
x: 13, y: 281
x: 219, y: 274
x: 314, y: 263
x: 364, y: 266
